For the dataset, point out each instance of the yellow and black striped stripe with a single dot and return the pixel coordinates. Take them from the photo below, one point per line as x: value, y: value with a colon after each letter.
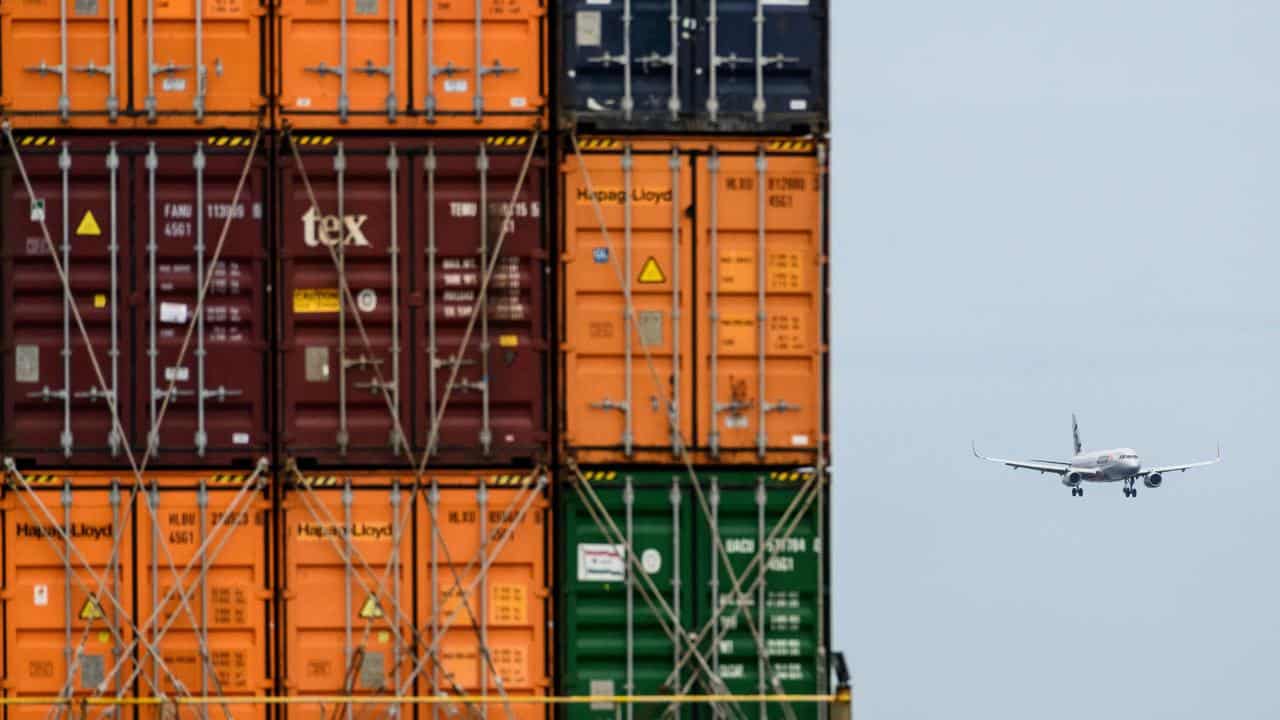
x: 790, y: 146
x: 313, y: 139
x: 599, y: 144
x: 38, y: 141
x: 42, y: 479
x: 229, y: 479
x: 509, y: 480
x: 228, y: 141
x: 320, y: 480
x: 790, y: 476
x: 599, y: 475
x: 507, y: 140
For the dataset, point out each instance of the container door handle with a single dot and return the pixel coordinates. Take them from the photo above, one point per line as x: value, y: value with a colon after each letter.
x: 44, y: 68
x: 369, y: 69
x: 325, y: 69
x: 781, y: 406
x: 94, y: 69
x: 94, y: 394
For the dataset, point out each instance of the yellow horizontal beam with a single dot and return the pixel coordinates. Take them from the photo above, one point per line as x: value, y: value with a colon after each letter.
x: 420, y: 700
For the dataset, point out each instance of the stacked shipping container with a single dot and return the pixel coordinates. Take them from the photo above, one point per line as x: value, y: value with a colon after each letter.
x: 396, y: 448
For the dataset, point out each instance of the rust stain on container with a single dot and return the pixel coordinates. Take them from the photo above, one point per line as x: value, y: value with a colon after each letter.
x: 137, y: 301
x: 739, y: 365
x: 348, y: 551
x: 164, y: 69
x: 347, y: 63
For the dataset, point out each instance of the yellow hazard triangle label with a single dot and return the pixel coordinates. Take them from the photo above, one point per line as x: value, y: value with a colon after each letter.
x: 651, y: 273
x: 371, y: 610
x: 91, y: 610
x: 88, y: 225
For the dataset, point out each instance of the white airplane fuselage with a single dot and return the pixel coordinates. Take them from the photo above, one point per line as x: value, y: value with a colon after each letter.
x: 1107, y: 465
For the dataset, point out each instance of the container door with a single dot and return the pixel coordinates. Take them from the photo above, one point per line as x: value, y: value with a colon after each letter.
x: 341, y: 396
x: 68, y: 590
x: 479, y: 63
x: 495, y: 410
x: 628, y: 68
x: 55, y: 409
x: 198, y: 58
x: 219, y: 406
x: 483, y: 588
x: 63, y: 61
x: 627, y: 373
x: 757, y: 70
x: 348, y: 589
x: 203, y: 590
x: 775, y: 632
x: 760, y: 307
x: 615, y: 632
x: 343, y: 61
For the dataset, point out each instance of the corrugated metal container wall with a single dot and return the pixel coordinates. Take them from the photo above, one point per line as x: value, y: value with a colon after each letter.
x: 118, y: 64
x: 695, y: 65
x: 135, y: 220
x: 212, y: 620
x: 413, y: 222
x: 737, y: 366
x: 484, y: 585
x: 56, y: 600
x: 481, y: 577
x: 112, y: 574
x: 651, y: 561
x: 412, y: 64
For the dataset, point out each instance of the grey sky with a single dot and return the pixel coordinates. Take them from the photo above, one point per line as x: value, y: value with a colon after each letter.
x: 1041, y: 208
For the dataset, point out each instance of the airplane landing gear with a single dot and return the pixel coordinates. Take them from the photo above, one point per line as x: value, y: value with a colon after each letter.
x: 1129, y: 490
x: 1077, y: 492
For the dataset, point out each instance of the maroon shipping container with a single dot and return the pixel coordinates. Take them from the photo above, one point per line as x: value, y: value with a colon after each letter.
x: 135, y: 220
x: 413, y: 222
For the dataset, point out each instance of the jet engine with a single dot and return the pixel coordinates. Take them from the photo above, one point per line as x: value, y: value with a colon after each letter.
x: 1153, y: 480
x: 1072, y: 479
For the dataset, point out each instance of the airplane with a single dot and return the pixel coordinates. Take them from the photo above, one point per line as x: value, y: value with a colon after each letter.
x: 1103, y: 466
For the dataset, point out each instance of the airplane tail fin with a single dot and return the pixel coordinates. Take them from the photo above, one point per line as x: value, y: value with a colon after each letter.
x: 1075, y: 432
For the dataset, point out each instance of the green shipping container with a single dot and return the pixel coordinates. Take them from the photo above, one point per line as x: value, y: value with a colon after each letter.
x: 668, y: 617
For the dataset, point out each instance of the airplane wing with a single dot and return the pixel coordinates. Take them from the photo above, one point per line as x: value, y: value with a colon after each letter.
x: 1181, y: 468
x: 1045, y: 466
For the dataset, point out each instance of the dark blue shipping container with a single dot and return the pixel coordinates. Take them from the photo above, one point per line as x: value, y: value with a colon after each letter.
x: 695, y: 65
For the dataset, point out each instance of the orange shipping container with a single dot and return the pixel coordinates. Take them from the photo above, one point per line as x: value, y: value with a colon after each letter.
x: 213, y: 530
x: 71, y: 569
x: 83, y: 64
x: 68, y: 591
x: 720, y: 249
x: 477, y: 64
x: 350, y: 619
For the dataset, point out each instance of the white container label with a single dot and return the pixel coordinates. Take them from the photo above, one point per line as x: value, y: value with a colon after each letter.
x: 40, y: 595
x: 240, y: 438
x: 303, y: 102
x: 800, y: 104
x: 173, y: 312
x: 651, y: 560
x: 455, y: 86
x: 174, y: 84
x: 598, y: 562
x: 519, y: 102
x: 179, y: 374
x: 799, y: 440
